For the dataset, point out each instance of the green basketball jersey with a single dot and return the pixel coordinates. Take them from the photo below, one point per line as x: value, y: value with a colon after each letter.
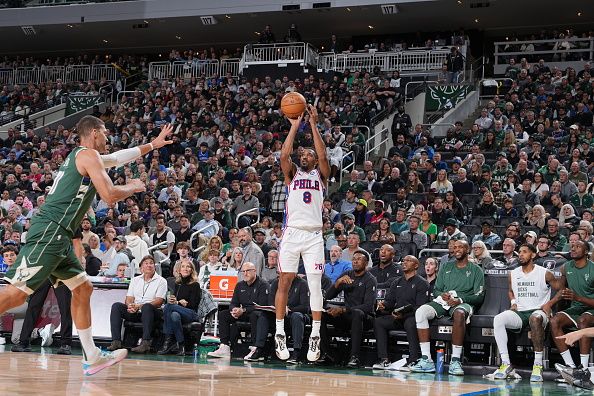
x: 69, y: 198
x: 580, y: 280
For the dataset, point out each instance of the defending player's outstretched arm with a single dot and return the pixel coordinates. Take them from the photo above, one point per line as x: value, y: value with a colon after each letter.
x: 319, y: 144
x: 123, y: 157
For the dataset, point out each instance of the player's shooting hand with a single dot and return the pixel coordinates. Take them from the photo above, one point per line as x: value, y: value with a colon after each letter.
x: 295, y: 122
x: 313, y: 113
x: 161, y: 140
x: 137, y: 185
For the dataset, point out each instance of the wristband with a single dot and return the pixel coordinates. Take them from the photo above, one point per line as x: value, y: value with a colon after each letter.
x: 513, y: 301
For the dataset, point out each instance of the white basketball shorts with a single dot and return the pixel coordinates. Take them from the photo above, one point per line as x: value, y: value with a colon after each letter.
x: 297, y: 243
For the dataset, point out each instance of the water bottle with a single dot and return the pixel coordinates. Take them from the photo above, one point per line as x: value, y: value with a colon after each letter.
x: 167, y: 297
x: 439, y: 361
x: 196, y: 352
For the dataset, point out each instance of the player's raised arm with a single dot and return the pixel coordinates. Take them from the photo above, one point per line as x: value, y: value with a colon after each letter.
x: 123, y: 157
x: 319, y: 144
x: 286, y: 162
x: 89, y: 163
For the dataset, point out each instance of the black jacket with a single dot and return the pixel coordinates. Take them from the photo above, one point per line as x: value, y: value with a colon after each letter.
x: 192, y: 292
x: 385, y: 276
x: 360, y: 294
x: 298, y: 295
x: 414, y: 291
x: 245, y: 295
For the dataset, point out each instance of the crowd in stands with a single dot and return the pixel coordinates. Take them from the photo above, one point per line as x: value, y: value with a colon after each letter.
x: 521, y: 173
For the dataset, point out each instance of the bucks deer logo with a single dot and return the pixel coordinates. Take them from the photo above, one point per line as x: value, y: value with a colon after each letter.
x: 445, y: 97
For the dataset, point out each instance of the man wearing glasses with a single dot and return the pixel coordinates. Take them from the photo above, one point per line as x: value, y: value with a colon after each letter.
x: 250, y: 291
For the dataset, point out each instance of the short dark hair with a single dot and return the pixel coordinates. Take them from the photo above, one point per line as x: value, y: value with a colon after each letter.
x: 137, y: 226
x: 87, y: 124
x: 364, y: 253
x: 10, y: 248
x: 529, y: 246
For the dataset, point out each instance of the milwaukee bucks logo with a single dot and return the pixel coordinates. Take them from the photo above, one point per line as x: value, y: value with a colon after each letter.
x: 445, y: 97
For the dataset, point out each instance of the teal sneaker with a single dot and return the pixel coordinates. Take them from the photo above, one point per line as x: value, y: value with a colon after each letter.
x: 105, y: 360
x: 502, y: 372
x: 423, y: 365
x: 455, y: 368
x: 536, y: 375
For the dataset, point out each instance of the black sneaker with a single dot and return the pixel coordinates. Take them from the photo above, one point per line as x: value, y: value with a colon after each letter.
x: 383, y: 364
x: 579, y: 377
x: 257, y: 356
x: 20, y: 348
x: 354, y: 362
x: 294, y: 359
x: 64, y: 350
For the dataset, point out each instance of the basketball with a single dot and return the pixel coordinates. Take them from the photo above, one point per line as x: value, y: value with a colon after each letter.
x: 293, y: 104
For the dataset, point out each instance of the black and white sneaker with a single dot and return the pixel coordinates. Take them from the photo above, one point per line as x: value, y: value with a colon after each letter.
x: 280, y: 346
x: 383, y: 364
x: 313, y: 352
x: 256, y: 356
x: 579, y: 377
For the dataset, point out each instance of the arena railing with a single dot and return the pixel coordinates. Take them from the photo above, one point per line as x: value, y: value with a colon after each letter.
x: 184, y: 70
x: 67, y: 74
x: 345, y: 169
x: 196, y: 234
x: 257, y: 210
x: 159, y: 246
x: 383, y: 135
x: 231, y: 66
x: 403, y: 61
x: 560, y: 52
x: 266, y: 54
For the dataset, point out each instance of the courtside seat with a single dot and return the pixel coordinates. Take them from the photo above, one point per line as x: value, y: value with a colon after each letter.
x: 496, y: 301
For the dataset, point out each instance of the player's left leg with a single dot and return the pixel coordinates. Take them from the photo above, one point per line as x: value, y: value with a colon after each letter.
x: 585, y: 320
x: 313, y: 261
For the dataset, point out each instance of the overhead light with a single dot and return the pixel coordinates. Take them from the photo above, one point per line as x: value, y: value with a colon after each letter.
x: 459, y: 1
x: 257, y: 33
x: 227, y: 16
x: 506, y: 38
x: 579, y: 13
x: 476, y: 20
x: 145, y: 21
x: 105, y: 41
x: 349, y: 9
x: 160, y: 55
x: 370, y: 26
x: 178, y: 37
x: 70, y: 26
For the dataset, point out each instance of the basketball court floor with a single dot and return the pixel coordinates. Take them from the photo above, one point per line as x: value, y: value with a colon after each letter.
x: 41, y: 372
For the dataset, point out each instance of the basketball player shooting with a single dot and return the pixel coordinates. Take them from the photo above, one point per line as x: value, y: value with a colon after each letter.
x: 49, y: 252
x: 302, y: 235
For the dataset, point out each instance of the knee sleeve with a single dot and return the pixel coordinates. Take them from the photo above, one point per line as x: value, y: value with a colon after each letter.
x: 423, y: 315
x: 316, y: 300
x: 507, y: 320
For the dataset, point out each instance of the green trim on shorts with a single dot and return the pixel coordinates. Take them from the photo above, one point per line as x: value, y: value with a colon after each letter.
x: 441, y: 312
x: 574, y: 314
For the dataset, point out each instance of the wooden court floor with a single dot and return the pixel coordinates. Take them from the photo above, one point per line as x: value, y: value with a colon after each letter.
x: 42, y: 373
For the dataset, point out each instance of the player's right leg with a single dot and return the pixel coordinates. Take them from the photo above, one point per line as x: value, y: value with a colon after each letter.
x: 288, y: 264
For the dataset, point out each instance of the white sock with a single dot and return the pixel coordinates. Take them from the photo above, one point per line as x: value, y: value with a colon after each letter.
x: 505, y: 358
x: 426, y: 350
x: 584, y: 360
x: 90, y: 351
x: 567, y: 358
x: 280, y: 326
x: 456, y: 351
x: 538, y: 358
x: 315, y: 328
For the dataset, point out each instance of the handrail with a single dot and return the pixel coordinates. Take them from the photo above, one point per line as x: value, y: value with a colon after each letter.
x: 157, y: 246
x: 125, y: 85
x: 197, y: 232
x: 342, y: 169
x: 377, y: 145
x: 415, y: 82
x: 246, y: 212
x: 439, y: 124
x: 574, y: 43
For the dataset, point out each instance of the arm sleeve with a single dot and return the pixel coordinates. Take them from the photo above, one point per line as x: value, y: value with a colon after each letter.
x: 121, y: 157
x: 333, y: 292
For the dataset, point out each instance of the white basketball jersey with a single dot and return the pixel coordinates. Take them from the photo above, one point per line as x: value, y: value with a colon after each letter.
x: 305, y: 199
x: 531, y: 291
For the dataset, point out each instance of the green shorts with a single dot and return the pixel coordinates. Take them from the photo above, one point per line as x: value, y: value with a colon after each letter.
x: 48, y: 254
x: 525, y: 317
x: 441, y: 312
x: 574, y: 313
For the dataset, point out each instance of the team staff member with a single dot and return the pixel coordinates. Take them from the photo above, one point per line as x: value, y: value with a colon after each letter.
x: 387, y: 270
x: 467, y: 281
x: 579, y: 275
x: 251, y: 290
x: 359, y: 288
x: 408, y: 290
x: 298, y: 315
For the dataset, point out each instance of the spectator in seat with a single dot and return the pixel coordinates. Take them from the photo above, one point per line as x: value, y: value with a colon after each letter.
x: 180, y: 308
x: 481, y: 256
x: 221, y: 214
x: 414, y: 234
x: 510, y: 257
x: 401, y: 224
x: 393, y: 183
x: 568, y: 219
x: 439, y: 214
x: 507, y: 209
x: 387, y: 270
x: 92, y: 263
x: 577, y: 287
x: 402, y: 203
x: 529, y: 292
x: 350, y: 226
x: 582, y: 198
x: 568, y: 188
x: 245, y: 202
x: 260, y: 241
x: 353, y: 245
x: 349, y: 203
x: 379, y: 212
x: 556, y: 240
x: 184, y: 232
x: 407, y: 293
x: 359, y: 289
x: 336, y: 266
x: 544, y: 257
x: 383, y: 233
x: 537, y: 217
x: 86, y: 230
x: 362, y: 215
x: 251, y: 251
x: 162, y: 234
x: 353, y: 183
x: 251, y: 290
x: 212, y: 264
x: 452, y: 203
x: 442, y: 185
x: 463, y: 186
x: 270, y: 270
x: 297, y: 316
x: 487, y: 207
x: 450, y: 231
x: 136, y: 245
x: 428, y: 227
x: 459, y: 289
x: 210, y: 227
x: 487, y: 235
x: 145, y: 296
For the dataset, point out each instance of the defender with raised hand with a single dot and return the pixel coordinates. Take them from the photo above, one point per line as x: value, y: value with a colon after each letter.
x: 302, y: 234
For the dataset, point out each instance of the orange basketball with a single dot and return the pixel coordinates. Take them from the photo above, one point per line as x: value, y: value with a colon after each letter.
x: 293, y: 104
